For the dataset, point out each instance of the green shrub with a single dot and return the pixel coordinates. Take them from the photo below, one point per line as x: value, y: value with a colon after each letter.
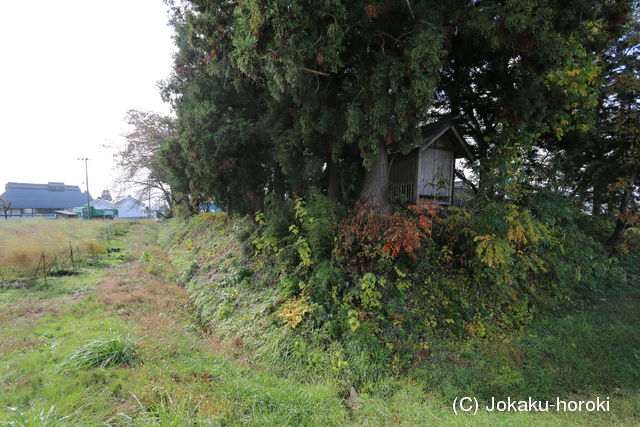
x: 190, y: 271
x: 321, y: 294
x: 321, y: 217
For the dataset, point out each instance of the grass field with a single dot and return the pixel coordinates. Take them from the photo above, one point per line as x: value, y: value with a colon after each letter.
x: 41, y: 243
x: 118, y: 344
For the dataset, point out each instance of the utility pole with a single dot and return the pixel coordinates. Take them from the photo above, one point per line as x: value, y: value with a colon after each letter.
x: 86, y: 173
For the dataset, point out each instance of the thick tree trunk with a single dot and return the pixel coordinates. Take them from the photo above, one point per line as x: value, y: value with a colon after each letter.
x: 257, y: 201
x: 621, y: 222
x: 333, y: 192
x: 486, y: 183
x: 376, y: 182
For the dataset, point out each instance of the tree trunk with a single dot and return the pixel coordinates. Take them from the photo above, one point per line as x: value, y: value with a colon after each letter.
x: 376, y: 182
x: 486, y: 182
x: 257, y: 201
x: 333, y: 192
x: 621, y: 222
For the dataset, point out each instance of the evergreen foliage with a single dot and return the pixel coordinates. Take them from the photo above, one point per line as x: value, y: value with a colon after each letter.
x: 288, y: 111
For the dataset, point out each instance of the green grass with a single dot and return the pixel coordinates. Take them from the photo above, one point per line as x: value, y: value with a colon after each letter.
x: 184, y: 376
x: 583, y: 353
x: 52, y: 287
x: 102, y: 353
x: 31, y: 379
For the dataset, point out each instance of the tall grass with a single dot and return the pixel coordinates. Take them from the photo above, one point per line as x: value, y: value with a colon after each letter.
x: 25, y: 244
x: 103, y: 353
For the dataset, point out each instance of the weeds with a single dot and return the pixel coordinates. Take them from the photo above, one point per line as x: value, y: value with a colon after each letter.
x: 296, y: 376
x: 119, y: 351
x: 40, y: 246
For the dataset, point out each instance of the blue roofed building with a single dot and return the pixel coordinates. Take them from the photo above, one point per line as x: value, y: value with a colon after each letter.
x: 22, y: 200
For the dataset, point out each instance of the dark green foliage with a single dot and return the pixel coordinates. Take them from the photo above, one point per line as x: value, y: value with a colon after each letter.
x: 279, y: 99
x: 288, y: 111
x: 321, y: 230
x: 484, y: 271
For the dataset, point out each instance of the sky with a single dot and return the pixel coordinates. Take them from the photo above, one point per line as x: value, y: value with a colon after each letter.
x: 70, y: 70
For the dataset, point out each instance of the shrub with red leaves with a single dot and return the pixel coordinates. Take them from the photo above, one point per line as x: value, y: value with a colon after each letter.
x: 365, y: 236
x: 405, y: 233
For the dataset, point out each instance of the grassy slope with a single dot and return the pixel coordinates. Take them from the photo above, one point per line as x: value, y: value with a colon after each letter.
x: 179, y: 379
x: 584, y: 353
x: 186, y: 375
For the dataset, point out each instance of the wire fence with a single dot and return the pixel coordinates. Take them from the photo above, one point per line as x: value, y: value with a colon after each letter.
x: 55, y: 259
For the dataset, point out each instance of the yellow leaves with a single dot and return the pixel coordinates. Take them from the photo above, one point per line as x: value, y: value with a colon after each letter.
x: 338, y: 363
x: 476, y: 328
x: 446, y: 253
x: 266, y: 244
x: 516, y: 234
x: 493, y: 252
x: 295, y: 309
x: 521, y: 229
x: 498, y: 252
x: 300, y: 210
x: 304, y: 251
x: 370, y: 296
x: 354, y: 322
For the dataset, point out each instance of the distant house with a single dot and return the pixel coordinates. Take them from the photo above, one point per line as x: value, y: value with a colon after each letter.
x: 462, y: 194
x: 130, y: 207
x: 100, y: 209
x: 427, y: 171
x: 22, y: 200
x: 102, y: 204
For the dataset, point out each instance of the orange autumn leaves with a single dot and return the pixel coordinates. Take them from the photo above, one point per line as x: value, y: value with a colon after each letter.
x: 405, y: 233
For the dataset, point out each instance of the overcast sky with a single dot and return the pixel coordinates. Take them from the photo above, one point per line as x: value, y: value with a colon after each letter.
x: 69, y: 72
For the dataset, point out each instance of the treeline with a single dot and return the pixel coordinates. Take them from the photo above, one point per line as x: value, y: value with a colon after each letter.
x: 289, y: 111
x: 277, y: 99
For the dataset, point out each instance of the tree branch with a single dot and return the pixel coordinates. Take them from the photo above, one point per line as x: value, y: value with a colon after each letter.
x: 466, y: 180
x: 319, y: 73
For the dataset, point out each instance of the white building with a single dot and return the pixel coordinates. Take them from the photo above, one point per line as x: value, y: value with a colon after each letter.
x: 130, y: 207
x: 102, y: 204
